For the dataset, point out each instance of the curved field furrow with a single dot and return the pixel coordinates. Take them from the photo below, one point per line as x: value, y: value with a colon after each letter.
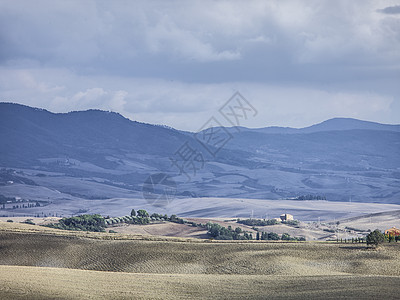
x: 54, y: 283
x: 166, y: 257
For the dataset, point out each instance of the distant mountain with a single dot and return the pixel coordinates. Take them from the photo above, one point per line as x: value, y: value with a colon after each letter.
x: 349, y: 124
x: 336, y: 124
x: 28, y: 134
x: 102, y: 155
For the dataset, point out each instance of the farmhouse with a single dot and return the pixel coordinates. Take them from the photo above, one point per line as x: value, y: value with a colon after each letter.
x: 286, y: 217
x: 393, y: 231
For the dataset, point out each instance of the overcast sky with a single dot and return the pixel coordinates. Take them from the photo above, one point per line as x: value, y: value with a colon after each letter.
x: 178, y: 62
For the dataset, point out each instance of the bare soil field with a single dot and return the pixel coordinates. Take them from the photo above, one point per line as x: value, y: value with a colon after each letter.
x: 38, y: 221
x: 180, y: 256
x: 381, y: 221
x: 55, y: 283
x: 38, y: 262
x: 163, y: 229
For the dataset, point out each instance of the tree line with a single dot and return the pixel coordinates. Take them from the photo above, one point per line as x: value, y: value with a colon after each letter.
x: 228, y: 233
x: 94, y: 223
x: 311, y: 197
x: 97, y: 223
x: 266, y: 222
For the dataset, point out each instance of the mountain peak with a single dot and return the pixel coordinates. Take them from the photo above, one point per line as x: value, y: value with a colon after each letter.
x: 336, y: 124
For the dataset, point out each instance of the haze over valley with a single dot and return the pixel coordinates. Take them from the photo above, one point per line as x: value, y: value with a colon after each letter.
x: 98, y: 162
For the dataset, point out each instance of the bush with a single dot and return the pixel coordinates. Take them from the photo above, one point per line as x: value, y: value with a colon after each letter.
x: 10, y: 221
x: 156, y: 216
x: 142, y: 213
x: 175, y: 219
x: 272, y: 236
x: 375, y: 238
x: 28, y: 221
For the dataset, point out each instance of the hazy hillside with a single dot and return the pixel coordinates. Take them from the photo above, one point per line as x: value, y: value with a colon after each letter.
x: 330, y: 125
x: 101, y: 155
x: 29, y: 134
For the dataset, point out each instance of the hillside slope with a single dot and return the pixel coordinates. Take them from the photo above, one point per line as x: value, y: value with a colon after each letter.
x: 54, y: 283
x: 44, y: 265
x: 102, y: 155
x: 184, y: 256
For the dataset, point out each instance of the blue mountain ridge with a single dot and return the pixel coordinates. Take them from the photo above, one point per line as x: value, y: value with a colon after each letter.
x: 340, y: 158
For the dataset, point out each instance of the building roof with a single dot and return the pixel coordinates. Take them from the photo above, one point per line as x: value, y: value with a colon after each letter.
x: 393, y: 230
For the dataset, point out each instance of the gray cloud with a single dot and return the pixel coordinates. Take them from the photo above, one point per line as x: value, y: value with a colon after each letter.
x: 169, y: 61
x: 391, y: 10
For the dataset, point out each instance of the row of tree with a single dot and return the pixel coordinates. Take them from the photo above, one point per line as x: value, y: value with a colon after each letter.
x: 143, y: 217
x: 265, y: 222
x: 258, y: 222
x: 311, y: 197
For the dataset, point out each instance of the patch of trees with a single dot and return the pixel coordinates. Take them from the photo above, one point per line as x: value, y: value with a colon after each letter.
x: 94, y: 223
x: 258, y: 222
x: 28, y: 221
x: 142, y: 217
x: 269, y: 236
x: 354, y: 229
x: 287, y: 237
x: 28, y: 205
x: 291, y: 222
x: 311, y: 197
x: 219, y: 232
x: 376, y: 237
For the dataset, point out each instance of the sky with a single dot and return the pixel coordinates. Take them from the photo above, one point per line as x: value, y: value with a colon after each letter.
x: 177, y: 62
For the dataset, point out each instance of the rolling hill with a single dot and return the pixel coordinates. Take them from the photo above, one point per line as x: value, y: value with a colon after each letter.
x: 98, y: 155
x: 41, y: 263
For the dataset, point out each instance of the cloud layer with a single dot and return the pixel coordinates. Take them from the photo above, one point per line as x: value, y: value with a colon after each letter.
x: 175, y: 62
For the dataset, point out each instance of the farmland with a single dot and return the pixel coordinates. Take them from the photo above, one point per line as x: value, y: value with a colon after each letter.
x: 53, y: 283
x: 46, y: 263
